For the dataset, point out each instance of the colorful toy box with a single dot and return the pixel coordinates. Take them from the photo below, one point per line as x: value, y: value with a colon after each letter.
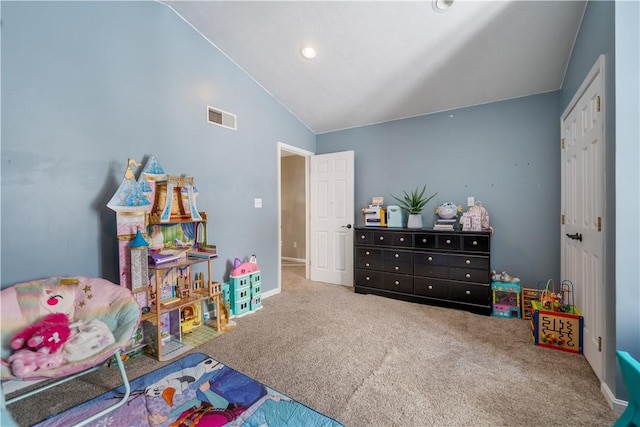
x: 506, y: 299
x: 557, y: 329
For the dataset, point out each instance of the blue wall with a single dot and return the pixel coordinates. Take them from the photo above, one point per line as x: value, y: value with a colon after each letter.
x: 505, y: 154
x: 86, y: 85
x: 627, y: 181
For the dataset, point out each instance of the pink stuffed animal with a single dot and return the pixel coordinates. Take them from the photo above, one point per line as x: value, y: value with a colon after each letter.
x: 45, y: 336
x: 25, y: 361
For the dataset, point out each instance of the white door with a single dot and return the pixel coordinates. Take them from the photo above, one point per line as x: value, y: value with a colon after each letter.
x: 583, y: 209
x: 332, y: 217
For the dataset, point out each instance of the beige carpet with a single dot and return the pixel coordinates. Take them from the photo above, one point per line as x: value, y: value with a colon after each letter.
x: 371, y: 361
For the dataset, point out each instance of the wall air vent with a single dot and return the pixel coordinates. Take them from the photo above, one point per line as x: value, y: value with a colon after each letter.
x: 218, y: 117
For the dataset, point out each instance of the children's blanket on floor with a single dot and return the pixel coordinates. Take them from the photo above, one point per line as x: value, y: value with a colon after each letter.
x: 196, y: 390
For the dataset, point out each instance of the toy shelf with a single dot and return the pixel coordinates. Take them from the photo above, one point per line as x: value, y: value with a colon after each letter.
x: 179, y: 263
x: 166, y: 324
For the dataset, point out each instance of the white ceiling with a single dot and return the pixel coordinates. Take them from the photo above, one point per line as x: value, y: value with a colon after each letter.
x: 385, y: 60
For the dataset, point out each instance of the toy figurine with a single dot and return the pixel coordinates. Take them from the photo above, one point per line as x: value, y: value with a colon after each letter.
x: 25, y: 361
x: 45, y: 336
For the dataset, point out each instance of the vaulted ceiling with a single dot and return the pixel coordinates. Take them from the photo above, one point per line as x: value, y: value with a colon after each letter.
x: 384, y: 60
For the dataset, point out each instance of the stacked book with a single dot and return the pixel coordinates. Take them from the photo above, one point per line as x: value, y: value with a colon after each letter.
x: 444, y: 224
x: 166, y: 256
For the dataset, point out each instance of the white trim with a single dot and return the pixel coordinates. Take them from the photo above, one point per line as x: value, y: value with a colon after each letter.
x: 618, y: 406
x: 272, y: 292
x: 14, y: 385
x: 281, y: 146
x: 286, y: 258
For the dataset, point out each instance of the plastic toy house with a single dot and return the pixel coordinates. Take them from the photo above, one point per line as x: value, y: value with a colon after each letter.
x: 245, y: 287
x: 506, y: 299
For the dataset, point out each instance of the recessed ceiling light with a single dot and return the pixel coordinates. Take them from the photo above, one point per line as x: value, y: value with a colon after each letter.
x: 308, y: 52
x: 442, y: 5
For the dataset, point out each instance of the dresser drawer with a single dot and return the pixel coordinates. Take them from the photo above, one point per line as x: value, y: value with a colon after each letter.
x: 398, y: 283
x: 426, y: 241
x: 363, y: 237
x: 371, y: 279
x: 402, y: 239
x: 470, y: 294
x: 469, y: 261
x: 369, y: 253
x: 448, y: 242
x: 382, y: 238
x: 370, y: 259
x: 469, y: 275
x: 398, y: 261
x: 431, y: 264
x: 475, y: 243
x: 433, y: 288
x: 431, y: 258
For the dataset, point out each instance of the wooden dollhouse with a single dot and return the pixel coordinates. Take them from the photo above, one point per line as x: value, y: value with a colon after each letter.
x: 178, y: 291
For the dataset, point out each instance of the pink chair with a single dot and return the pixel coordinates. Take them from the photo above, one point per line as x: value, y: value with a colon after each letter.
x: 83, y: 299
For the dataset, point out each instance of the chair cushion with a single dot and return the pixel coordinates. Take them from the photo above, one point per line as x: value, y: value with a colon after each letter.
x: 81, y: 298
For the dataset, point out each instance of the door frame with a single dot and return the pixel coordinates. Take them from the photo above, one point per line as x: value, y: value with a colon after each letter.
x: 282, y: 147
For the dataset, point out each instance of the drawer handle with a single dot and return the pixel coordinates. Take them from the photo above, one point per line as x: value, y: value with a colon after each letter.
x: 397, y: 255
x: 430, y: 287
x: 397, y: 283
x: 368, y: 253
x: 397, y: 268
x: 467, y: 275
x: 367, y: 265
x: 466, y: 262
x: 367, y: 278
x: 402, y: 239
x: 475, y: 243
x: 362, y: 236
x: 381, y: 237
x: 424, y: 240
x: 448, y: 242
x: 430, y: 258
x: 468, y: 292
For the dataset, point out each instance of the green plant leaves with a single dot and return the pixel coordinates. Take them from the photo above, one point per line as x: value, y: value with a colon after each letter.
x: 415, y: 202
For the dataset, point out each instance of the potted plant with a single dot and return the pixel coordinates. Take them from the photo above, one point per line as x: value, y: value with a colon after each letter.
x: 414, y: 203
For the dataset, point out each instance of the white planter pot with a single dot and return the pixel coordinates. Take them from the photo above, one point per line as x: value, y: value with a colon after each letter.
x: 414, y: 221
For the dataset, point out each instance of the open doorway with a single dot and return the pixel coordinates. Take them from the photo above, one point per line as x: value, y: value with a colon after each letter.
x: 293, y: 208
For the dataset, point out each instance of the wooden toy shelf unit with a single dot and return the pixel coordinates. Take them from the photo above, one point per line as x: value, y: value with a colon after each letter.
x: 165, y: 261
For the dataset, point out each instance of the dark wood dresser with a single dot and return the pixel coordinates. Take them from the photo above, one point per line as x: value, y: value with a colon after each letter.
x: 448, y: 268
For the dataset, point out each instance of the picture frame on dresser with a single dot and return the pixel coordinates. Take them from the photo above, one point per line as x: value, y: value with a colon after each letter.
x: 445, y: 268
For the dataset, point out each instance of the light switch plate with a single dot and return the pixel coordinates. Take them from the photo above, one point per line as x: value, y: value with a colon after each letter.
x: 471, y: 201
x: 257, y: 203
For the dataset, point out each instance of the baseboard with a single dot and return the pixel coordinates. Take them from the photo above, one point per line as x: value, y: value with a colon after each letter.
x: 299, y: 260
x: 12, y: 385
x: 270, y: 293
x: 617, y: 405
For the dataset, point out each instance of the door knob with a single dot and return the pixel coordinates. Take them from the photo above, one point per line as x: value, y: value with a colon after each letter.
x: 346, y: 226
x: 577, y: 236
